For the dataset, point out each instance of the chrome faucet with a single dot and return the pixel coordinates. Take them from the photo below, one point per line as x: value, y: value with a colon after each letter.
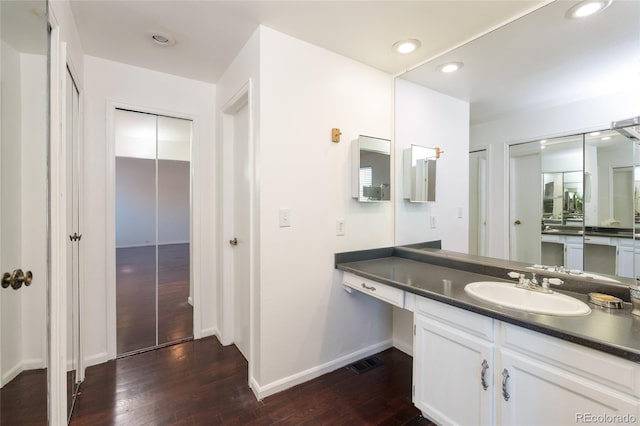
x: 532, y: 283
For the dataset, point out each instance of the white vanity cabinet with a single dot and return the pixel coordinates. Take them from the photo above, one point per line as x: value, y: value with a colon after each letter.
x: 542, y: 380
x: 471, y: 369
x: 452, y: 364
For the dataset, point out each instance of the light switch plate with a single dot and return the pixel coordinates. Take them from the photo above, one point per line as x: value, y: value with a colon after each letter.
x: 432, y: 221
x: 340, y: 230
x: 285, y: 218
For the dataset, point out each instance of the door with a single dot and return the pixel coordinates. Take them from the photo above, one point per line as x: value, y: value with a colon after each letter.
x: 24, y: 213
x: 478, y: 188
x: 534, y: 393
x: 72, y: 149
x: 525, y: 203
x: 153, y: 231
x: 241, y: 211
x: 452, y: 375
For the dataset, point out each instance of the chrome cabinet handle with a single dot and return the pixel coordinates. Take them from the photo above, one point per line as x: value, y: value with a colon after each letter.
x: 366, y: 287
x: 233, y: 242
x: 483, y: 379
x: 505, y: 377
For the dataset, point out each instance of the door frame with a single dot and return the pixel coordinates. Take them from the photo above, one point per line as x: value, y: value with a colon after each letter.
x: 488, y: 194
x: 226, y: 284
x: 195, y: 218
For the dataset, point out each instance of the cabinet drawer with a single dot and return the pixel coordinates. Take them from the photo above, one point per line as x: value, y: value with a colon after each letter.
x: 386, y: 293
x: 605, y: 241
x: 551, y: 238
x: 591, y: 364
x: 472, y: 323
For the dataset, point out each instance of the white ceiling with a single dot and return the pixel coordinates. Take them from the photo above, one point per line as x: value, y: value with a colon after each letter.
x: 542, y: 60
x: 209, y: 34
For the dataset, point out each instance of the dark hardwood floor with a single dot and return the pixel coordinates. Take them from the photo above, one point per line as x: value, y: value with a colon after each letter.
x: 203, y: 383
x: 23, y: 401
x: 136, y: 296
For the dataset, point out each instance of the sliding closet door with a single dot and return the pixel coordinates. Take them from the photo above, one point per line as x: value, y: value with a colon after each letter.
x: 153, y: 204
x: 136, y: 231
x: 175, y: 314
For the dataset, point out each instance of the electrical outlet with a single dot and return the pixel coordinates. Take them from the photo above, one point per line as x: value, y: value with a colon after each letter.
x: 340, y: 227
x: 432, y: 221
x: 285, y: 218
x: 459, y: 212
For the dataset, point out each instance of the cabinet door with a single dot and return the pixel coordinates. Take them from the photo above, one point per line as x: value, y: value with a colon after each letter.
x: 448, y: 367
x: 534, y: 393
x: 626, y: 259
x: 573, y: 254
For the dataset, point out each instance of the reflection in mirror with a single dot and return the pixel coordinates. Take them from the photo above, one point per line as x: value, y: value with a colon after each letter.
x: 567, y: 78
x: 372, y: 169
x: 419, y: 174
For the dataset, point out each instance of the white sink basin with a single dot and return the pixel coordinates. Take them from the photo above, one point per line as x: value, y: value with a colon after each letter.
x: 510, y: 296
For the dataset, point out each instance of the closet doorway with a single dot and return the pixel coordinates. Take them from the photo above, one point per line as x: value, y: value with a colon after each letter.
x: 154, y: 301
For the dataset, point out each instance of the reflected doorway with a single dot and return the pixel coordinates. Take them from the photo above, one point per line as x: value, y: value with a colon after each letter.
x: 154, y: 304
x: 478, y: 195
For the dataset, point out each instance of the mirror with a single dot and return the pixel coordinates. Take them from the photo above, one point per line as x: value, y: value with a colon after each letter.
x: 24, y: 171
x: 419, y: 174
x: 538, y: 77
x: 371, y: 169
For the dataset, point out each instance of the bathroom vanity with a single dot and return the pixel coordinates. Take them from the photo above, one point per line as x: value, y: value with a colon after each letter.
x: 478, y: 363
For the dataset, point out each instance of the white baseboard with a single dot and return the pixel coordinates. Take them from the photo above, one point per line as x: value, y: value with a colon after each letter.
x: 405, y: 347
x: 210, y: 331
x: 12, y: 374
x: 317, y: 371
x: 96, y: 359
x: 30, y: 364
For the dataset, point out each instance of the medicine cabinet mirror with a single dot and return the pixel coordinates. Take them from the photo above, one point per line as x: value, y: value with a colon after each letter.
x: 419, y: 174
x: 371, y: 170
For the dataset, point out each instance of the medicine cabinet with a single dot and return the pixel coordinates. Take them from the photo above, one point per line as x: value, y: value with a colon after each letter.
x: 419, y: 172
x: 371, y: 169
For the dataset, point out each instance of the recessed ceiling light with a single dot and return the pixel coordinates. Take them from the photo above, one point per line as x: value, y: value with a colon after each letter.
x: 543, y: 141
x: 162, y: 39
x: 450, y: 67
x: 594, y: 134
x: 406, y: 46
x: 606, y: 138
x: 543, y: 147
x: 587, y: 8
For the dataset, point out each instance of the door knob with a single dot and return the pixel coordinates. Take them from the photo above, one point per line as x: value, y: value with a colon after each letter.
x: 16, y: 279
x: 233, y: 242
x: 517, y: 222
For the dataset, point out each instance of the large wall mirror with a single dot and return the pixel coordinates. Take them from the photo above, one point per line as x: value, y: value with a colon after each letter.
x: 543, y: 92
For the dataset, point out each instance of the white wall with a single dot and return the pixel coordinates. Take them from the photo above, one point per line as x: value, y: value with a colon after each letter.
x: 428, y: 118
x: 136, y: 202
x: 520, y: 126
x: 108, y: 81
x: 308, y: 323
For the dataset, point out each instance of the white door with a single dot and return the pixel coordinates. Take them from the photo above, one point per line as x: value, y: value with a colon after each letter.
x: 534, y: 393
x: 452, y: 375
x: 525, y: 204
x: 241, y: 223
x: 24, y: 215
x: 478, y: 202
x: 72, y: 110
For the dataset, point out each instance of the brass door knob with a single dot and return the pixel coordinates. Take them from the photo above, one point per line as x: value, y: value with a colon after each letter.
x: 16, y: 279
x: 517, y: 222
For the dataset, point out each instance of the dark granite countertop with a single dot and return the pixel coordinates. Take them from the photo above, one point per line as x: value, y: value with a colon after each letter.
x: 422, y: 271
x: 589, y: 231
